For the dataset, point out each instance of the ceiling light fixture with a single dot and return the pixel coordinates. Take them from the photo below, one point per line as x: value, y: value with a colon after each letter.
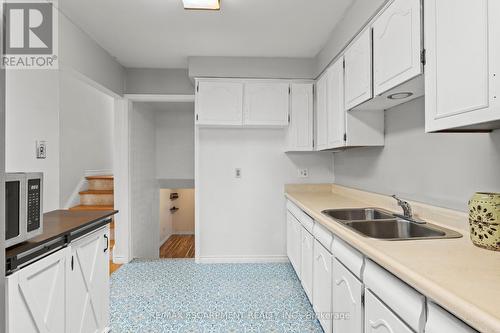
x: 202, y: 4
x: 401, y: 95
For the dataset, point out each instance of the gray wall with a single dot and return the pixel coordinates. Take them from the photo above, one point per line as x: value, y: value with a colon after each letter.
x: 252, y: 67
x: 442, y: 169
x: 357, y: 15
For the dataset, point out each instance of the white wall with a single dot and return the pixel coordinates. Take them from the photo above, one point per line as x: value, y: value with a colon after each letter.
x: 158, y: 81
x: 166, y: 229
x: 245, y: 218
x: 79, y: 53
x: 175, y: 141
x: 86, y: 133
x: 442, y: 169
x: 251, y: 67
x: 2, y: 189
x: 32, y: 113
x: 143, y: 184
x: 183, y: 219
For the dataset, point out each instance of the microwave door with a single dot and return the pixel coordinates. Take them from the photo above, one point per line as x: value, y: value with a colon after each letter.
x: 13, y: 211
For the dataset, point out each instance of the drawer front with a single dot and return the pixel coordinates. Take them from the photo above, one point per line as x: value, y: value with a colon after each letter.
x: 299, y: 214
x: 347, y: 303
x: 440, y: 320
x: 323, y: 236
x: 347, y: 255
x: 380, y: 319
x: 307, y: 254
x: 322, y: 286
x: 410, y: 305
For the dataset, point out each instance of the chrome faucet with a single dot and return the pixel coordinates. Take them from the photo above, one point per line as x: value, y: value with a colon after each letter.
x: 407, y: 211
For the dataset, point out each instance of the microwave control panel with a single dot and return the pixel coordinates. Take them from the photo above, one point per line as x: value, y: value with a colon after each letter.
x: 33, y: 204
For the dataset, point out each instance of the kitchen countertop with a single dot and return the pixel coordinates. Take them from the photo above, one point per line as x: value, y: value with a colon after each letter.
x: 56, y: 225
x: 462, y: 278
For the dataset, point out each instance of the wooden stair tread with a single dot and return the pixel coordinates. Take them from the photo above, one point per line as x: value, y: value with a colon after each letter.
x: 92, y: 207
x: 97, y: 192
x: 105, y: 177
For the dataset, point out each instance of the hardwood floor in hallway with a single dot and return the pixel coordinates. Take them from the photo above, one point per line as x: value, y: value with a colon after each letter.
x: 178, y: 246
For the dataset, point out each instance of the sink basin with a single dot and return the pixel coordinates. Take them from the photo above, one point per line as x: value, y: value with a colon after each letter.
x: 358, y: 214
x: 380, y: 224
x: 400, y: 230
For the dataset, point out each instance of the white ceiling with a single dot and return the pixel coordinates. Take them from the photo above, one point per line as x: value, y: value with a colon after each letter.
x: 161, y: 34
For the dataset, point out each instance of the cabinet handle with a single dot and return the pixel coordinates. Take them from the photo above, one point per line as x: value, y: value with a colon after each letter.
x: 107, y: 243
x: 381, y: 322
x: 72, y: 262
x: 338, y: 282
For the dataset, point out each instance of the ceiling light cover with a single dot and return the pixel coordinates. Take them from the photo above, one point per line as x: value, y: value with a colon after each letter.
x: 400, y: 95
x: 202, y: 4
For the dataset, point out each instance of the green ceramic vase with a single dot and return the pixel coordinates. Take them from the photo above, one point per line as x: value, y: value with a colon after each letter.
x: 484, y: 220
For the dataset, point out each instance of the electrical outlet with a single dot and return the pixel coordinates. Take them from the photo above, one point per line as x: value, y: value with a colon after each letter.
x: 303, y: 173
x: 237, y: 173
x: 41, y: 149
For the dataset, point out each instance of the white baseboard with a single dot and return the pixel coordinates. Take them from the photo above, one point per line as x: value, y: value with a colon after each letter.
x: 188, y: 233
x: 242, y: 259
x: 74, y: 199
x: 164, y: 240
x: 117, y: 259
x: 103, y: 172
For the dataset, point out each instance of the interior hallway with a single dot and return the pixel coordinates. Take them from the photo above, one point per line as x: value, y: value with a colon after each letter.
x: 178, y: 246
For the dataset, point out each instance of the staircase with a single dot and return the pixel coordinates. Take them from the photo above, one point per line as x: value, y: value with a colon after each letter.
x: 99, y: 196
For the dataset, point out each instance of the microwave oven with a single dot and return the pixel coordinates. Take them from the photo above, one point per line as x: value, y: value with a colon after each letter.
x: 23, y: 207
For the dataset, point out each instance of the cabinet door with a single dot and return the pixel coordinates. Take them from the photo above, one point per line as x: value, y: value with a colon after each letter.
x: 89, y: 283
x: 293, y: 242
x: 219, y: 103
x: 358, y: 70
x: 321, y: 113
x: 462, y: 42
x: 307, y: 254
x: 36, y: 296
x: 439, y: 320
x: 346, y: 299
x: 322, y: 286
x: 300, y: 130
x: 266, y: 104
x: 396, y: 45
x: 335, y: 102
x: 380, y: 319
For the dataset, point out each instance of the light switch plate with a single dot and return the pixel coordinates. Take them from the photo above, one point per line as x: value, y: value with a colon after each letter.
x: 303, y: 173
x: 237, y: 173
x: 41, y: 149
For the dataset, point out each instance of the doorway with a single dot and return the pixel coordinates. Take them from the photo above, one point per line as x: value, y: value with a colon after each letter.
x: 177, y: 223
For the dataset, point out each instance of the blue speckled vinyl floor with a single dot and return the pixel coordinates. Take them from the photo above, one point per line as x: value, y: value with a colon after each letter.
x: 182, y: 296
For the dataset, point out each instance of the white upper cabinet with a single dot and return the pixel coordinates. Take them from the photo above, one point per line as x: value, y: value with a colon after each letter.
x: 321, y: 113
x: 396, y: 45
x: 335, y: 105
x: 266, y: 103
x: 358, y: 70
x: 219, y: 103
x: 462, y: 42
x: 300, y: 130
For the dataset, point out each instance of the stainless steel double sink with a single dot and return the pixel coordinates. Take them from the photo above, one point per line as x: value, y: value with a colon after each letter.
x: 381, y: 224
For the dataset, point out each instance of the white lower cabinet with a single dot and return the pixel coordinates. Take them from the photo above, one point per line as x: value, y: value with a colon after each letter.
x: 66, y: 291
x: 307, y: 256
x: 380, y: 319
x: 88, y: 299
x: 440, y: 320
x: 322, y: 286
x: 347, y: 300
x: 36, y: 296
x: 293, y: 241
